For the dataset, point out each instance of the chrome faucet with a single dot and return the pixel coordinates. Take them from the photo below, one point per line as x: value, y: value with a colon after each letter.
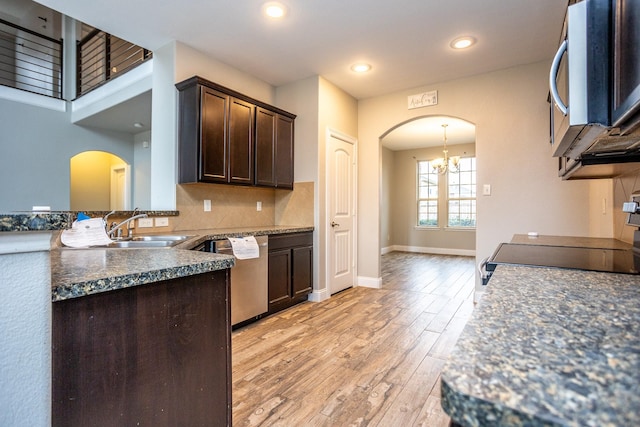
x: 117, y: 227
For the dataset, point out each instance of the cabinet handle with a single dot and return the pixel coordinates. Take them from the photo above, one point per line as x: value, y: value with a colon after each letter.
x: 334, y: 224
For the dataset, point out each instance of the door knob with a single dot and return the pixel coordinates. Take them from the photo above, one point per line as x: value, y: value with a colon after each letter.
x: 334, y: 224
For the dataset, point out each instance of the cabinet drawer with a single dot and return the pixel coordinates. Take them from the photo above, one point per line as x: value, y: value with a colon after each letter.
x: 282, y: 241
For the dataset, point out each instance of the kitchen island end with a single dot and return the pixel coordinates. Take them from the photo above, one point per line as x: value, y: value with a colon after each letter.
x: 548, y: 347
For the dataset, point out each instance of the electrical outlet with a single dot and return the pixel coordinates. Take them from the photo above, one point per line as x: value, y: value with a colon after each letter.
x: 207, y: 205
x: 145, y: 222
x: 162, y: 222
x: 258, y: 206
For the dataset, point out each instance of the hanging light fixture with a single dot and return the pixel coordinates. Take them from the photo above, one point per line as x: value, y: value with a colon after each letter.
x: 442, y: 164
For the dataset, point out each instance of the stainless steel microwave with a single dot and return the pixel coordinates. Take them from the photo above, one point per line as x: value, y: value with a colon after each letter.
x: 595, y: 84
x: 579, y: 79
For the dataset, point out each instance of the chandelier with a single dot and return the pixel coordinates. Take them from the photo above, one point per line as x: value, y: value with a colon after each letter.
x: 442, y: 164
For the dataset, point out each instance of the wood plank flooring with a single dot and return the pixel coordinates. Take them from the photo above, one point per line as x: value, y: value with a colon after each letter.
x: 365, y: 357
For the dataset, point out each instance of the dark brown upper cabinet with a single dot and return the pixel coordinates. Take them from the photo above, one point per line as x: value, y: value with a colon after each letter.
x: 274, y: 149
x: 227, y: 137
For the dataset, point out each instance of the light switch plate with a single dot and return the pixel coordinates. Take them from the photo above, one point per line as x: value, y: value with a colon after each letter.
x: 145, y: 222
x: 258, y: 206
x: 207, y: 205
x: 486, y: 190
x: 162, y: 222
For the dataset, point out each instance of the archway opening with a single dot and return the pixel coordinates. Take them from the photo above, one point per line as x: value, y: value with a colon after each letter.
x: 420, y: 209
x: 99, y: 181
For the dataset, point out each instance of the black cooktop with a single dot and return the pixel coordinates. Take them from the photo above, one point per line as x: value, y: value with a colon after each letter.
x: 592, y: 259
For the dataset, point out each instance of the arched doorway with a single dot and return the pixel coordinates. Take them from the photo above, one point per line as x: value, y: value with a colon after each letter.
x: 99, y: 181
x: 422, y: 211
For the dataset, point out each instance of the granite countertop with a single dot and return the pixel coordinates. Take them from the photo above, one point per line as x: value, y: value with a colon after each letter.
x: 548, y: 347
x: 202, y: 235
x: 79, y: 272
x: 34, y: 221
x: 581, y: 242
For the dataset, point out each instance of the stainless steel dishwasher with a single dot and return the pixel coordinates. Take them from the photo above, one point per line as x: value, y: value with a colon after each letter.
x: 249, y: 282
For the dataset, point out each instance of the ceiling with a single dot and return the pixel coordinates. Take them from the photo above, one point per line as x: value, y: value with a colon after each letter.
x: 406, y: 42
x: 407, y: 47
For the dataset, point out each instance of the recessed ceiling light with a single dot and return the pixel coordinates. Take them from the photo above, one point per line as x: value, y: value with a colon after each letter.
x: 463, y: 42
x: 360, y: 68
x: 137, y: 125
x: 274, y: 9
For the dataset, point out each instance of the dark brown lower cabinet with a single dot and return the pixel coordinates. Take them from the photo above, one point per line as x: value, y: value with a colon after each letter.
x: 290, y: 269
x: 155, y: 355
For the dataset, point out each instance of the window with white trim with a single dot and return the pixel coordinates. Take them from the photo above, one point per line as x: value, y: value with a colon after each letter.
x: 448, y: 198
x: 461, y: 202
x: 428, y: 182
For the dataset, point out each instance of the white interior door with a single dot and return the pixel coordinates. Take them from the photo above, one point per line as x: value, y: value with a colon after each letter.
x: 120, y: 184
x: 341, y: 214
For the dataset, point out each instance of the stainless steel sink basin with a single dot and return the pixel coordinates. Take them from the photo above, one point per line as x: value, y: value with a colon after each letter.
x: 150, y: 241
x: 131, y: 244
x: 156, y: 237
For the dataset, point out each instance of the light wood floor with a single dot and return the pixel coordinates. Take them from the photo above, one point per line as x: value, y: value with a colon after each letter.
x: 365, y: 357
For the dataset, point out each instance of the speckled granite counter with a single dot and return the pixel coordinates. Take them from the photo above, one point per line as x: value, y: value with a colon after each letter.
x: 35, y: 221
x: 80, y: 272
x: 548, y: 347
x: 581, y: 242
x: 223, y: 233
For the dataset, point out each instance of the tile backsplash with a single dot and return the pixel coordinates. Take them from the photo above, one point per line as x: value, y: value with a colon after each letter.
x: 235, y: 206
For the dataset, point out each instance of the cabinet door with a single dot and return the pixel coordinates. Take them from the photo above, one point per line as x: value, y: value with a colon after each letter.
x: 279, y: 277
x: 302, y: 270
x: 141, y: 355
x: 214, y: 155
x: 241, y: 131
x: 284, y: 152
x: 265, y: 147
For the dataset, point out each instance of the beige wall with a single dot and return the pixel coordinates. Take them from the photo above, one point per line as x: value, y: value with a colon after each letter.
x: 190, y: 62
x: 510, y: 111
x: 387, y: 173
x: 319, y: 105
x: 404, y: 210
x: 338, y: 112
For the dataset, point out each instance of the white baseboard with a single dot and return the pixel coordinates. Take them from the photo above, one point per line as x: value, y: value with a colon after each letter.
x: 370, y: 282
x: 319, y: 295
x: 425, y: 250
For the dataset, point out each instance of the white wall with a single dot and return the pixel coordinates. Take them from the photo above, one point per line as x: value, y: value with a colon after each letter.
x: 25, y: 330
x: 141, y: 170
x: 37, y: 145
x: 510, y: 112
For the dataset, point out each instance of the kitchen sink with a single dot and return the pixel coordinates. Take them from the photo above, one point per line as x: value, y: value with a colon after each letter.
x: 158, y: 237
x: 151, y: 241
x: 131, y: 244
